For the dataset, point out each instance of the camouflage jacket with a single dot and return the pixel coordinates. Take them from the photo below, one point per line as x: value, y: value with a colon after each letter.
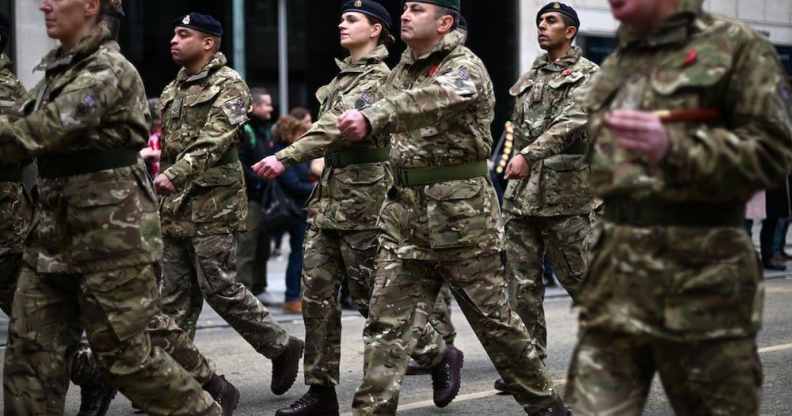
x: 91, y: 99
x: 347, y: 198
x: 202, y: 116
x: 438, y: 108
x: 550, y: 129
x: 15, y: 209
x: 686, y: 282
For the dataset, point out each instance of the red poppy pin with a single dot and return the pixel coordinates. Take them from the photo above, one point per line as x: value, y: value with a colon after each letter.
x: 567, y: 72
x: 432, y: 70
x: 691, y: 58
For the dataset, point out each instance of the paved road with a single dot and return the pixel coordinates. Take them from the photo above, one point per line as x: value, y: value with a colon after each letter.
x: 250, y: 372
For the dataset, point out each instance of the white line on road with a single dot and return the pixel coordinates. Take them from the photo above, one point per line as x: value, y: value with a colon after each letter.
x: 490, y: 393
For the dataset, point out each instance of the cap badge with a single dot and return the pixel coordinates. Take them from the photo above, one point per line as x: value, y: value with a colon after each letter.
x: 557, y: 6
x: 359, y: 3
x: 186, y: 20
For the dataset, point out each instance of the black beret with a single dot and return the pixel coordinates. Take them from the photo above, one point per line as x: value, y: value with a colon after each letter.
x: 370, y: 8
x: 448, y: 4
x: 202, y: 23
x: 559, y: 8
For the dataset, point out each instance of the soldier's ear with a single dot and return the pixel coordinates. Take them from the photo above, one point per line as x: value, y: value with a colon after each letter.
x: 92, y: 8
x: 571, y: 32
x: 376, y: 30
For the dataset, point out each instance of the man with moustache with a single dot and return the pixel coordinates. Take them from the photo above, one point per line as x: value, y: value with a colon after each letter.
x: 547, y: 201
x: 203, y: 203
x: 441, y: 220
x: 690, y: 117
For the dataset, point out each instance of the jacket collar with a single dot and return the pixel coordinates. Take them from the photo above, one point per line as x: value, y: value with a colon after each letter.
x: 569, y: 59
x: 676, y: 29
x: 58, y: 58
x: 217, y: 62
x: 449, y: 42
x: 379, y: 54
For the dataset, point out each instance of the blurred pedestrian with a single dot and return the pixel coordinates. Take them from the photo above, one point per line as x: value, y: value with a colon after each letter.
x: 255, y: 144
x: 297, y: 185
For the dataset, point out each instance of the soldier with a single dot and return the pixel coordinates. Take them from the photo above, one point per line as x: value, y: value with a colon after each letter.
x: 690, y: 117
x: 342, y: 240
x: 88, y: 262
x: 203, y: 197
x: 440, y: 221
x: 548, y: 200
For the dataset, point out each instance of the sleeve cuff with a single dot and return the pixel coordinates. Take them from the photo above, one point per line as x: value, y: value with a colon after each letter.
x: 376, y: 118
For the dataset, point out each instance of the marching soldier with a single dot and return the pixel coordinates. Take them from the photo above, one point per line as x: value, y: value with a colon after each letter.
x: 441, y: 221
x: 690, y: 117
x: 342, y: 241
x: 547, y: 202
x: 203, y: 197
x: 88, y: 262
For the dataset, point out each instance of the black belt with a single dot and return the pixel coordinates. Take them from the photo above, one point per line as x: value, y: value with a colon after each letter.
x: 649, y: 213
x: 11, y: 173
x: 439, y: 174
x: 230, y: 156
x: 360, y: 156
x: 86, y: 161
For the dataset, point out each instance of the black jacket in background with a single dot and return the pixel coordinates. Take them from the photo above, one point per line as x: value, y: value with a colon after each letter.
x: 255, y: 143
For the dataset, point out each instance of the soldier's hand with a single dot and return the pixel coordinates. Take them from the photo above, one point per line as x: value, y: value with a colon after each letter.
x: 518, y: 168
x: 163, y: 185
x: 353, y: 125
x: 269, y: 168
x: 640, y: 132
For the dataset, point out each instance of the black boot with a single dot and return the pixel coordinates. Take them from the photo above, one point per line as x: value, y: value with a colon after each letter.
x: 224, y: 393
x: 447, y: 377
x: 95, y: 399
x: 96, y: 393
x: 286, y: 366
x: 502, y: 387
x: 415, y: 369
x: 318, y: 401
x: 557, y: 409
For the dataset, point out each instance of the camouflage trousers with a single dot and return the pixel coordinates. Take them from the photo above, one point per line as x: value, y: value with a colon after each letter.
x: 205, y: 268
x: 403, y: 296
x: 440, y: 318
x: 528, y: 241
x: 9, y: 272
x: 611, y: 375
x: 330, y: 256
x: 114, y: 308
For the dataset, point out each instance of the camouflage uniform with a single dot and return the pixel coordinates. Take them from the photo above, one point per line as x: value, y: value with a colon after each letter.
x: 201, y: 119
x: 674, y: 276
x: 438, y: 108
x: 88, y: 264
x: 342, y: 241
x: 15, y: 208
x: 547, y: 212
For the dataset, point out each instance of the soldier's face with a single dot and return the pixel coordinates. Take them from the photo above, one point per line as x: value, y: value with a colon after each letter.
x: 66, y: 19
x: 419, y: 21
x: 553, y: 31
x: 640, y: 13
x: 355, y: 30
x: 188, y: 45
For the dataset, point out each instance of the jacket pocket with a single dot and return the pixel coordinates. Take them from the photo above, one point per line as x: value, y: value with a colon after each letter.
x: 566, y: 182
x: 358, y: 192
x: 105, y: 219
x: 218, y: 195
x: 457, y: 213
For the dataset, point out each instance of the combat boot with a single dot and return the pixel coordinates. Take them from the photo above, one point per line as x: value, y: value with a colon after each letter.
x: 502, y: 387
x: 447, y: 377
x: 95, y: 398
x: 95, y: 393
x: 415, y: 369
x: 224, y: 393
x: 285, y: 366
x: 557, y: 409
x: 318, y: 401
